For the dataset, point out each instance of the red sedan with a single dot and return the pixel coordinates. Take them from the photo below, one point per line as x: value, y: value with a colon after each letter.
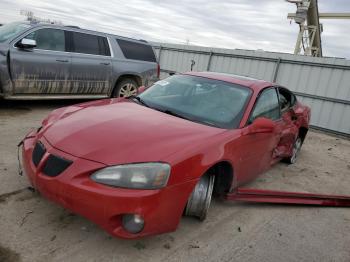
x: 135, y: 165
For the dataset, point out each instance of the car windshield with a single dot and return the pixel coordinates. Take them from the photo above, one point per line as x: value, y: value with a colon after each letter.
x: 12, y: 29
x: 199, y: 99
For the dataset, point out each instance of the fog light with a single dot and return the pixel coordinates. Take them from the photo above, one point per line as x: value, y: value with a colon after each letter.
x: 133, y: 223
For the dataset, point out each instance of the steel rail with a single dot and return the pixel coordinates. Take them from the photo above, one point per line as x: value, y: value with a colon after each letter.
x: 260, y: 58
x: 280, y: 197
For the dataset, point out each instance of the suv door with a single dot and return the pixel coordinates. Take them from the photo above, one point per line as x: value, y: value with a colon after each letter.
x: 91, y: 63
x: 44, y: 69
x: 256, y: 150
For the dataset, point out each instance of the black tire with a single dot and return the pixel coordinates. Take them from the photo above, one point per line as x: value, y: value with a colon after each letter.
x: 125, y: 88
x: 296, y: 149
x: 199, y: 201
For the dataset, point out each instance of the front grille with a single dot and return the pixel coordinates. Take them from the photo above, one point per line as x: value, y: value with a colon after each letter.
x: 38, y: 153
x: 55, y: 165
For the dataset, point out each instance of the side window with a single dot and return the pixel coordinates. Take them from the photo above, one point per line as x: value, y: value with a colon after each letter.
x: 48, y: 39
x: 287, y: 99
x: 293, y: 100
x: 266, y: 106
x: 137, y: 51
x: 104, y: 46
x: 90, y: 44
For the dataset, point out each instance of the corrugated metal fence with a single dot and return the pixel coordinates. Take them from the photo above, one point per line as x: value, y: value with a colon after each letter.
x: 321, y: 83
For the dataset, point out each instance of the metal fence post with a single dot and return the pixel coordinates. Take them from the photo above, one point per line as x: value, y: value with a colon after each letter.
x: 277, y: 67
x: 209, y: 60
x: 159, y: 53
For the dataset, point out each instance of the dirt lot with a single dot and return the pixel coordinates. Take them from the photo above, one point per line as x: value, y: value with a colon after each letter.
x: 34, y: 229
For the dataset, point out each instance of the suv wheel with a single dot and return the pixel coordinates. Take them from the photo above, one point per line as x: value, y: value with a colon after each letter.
x: 125, y: 88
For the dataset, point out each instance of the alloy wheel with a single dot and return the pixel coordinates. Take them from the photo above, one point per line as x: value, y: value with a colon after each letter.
x: 127, y: 90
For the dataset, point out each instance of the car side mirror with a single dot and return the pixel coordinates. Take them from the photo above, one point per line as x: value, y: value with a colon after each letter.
x: 141, y: 89
x: 26, y: 43
x: 260, y: 125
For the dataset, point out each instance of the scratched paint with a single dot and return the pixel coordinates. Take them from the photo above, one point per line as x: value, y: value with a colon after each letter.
x: 49, y: 81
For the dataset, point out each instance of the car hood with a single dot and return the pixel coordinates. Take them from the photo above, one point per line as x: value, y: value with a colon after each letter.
x: 124, y: 132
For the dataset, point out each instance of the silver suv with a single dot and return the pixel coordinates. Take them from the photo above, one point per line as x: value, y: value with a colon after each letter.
x: 39, y: 61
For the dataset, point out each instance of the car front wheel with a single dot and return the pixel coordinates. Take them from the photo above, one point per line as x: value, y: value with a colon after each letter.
x: 199, y: 201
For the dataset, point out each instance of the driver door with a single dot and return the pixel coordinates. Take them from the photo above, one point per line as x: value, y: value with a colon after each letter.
x: 44, y: 69
x: 289, y: 130
x: 256, y: 150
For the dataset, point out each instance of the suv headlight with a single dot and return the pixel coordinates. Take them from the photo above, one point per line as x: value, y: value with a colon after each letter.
x: 137, y: 176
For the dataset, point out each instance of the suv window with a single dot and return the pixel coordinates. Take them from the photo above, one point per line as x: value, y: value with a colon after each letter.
x: 48, y: 39
x: 90, y: 44
x: 266, y: 106
x: 137, y: 51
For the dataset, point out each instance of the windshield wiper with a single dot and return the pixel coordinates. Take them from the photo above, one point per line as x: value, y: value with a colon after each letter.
x: 169, y: 112
x: 139, y: 99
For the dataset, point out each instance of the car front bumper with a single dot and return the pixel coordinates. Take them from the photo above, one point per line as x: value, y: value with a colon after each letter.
x: 73, y: 189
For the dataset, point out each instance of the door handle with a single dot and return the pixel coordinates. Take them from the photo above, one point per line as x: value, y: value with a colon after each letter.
x: 62, y: 60
x: 105, y: 63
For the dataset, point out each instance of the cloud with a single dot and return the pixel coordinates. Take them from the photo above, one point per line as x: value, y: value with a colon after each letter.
x: 254, y: 24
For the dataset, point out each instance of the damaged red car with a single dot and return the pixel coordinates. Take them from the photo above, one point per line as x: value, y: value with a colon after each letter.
x: 135, y: 165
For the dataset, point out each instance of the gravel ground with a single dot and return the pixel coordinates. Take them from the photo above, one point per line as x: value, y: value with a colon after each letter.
x: 34, y: 229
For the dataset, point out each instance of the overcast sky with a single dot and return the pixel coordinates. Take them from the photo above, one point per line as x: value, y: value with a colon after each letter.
x: 244, y: 24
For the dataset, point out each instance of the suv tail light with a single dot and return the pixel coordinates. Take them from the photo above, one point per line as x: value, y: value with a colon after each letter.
x: 158, y: 70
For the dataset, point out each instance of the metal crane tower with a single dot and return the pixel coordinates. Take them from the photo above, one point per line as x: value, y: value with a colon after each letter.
x: 308, y: 18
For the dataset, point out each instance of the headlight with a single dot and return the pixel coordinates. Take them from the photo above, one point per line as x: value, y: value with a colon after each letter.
x: 138, y: 176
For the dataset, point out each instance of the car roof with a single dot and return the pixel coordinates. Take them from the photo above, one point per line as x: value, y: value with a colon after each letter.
x: 255, y: 84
